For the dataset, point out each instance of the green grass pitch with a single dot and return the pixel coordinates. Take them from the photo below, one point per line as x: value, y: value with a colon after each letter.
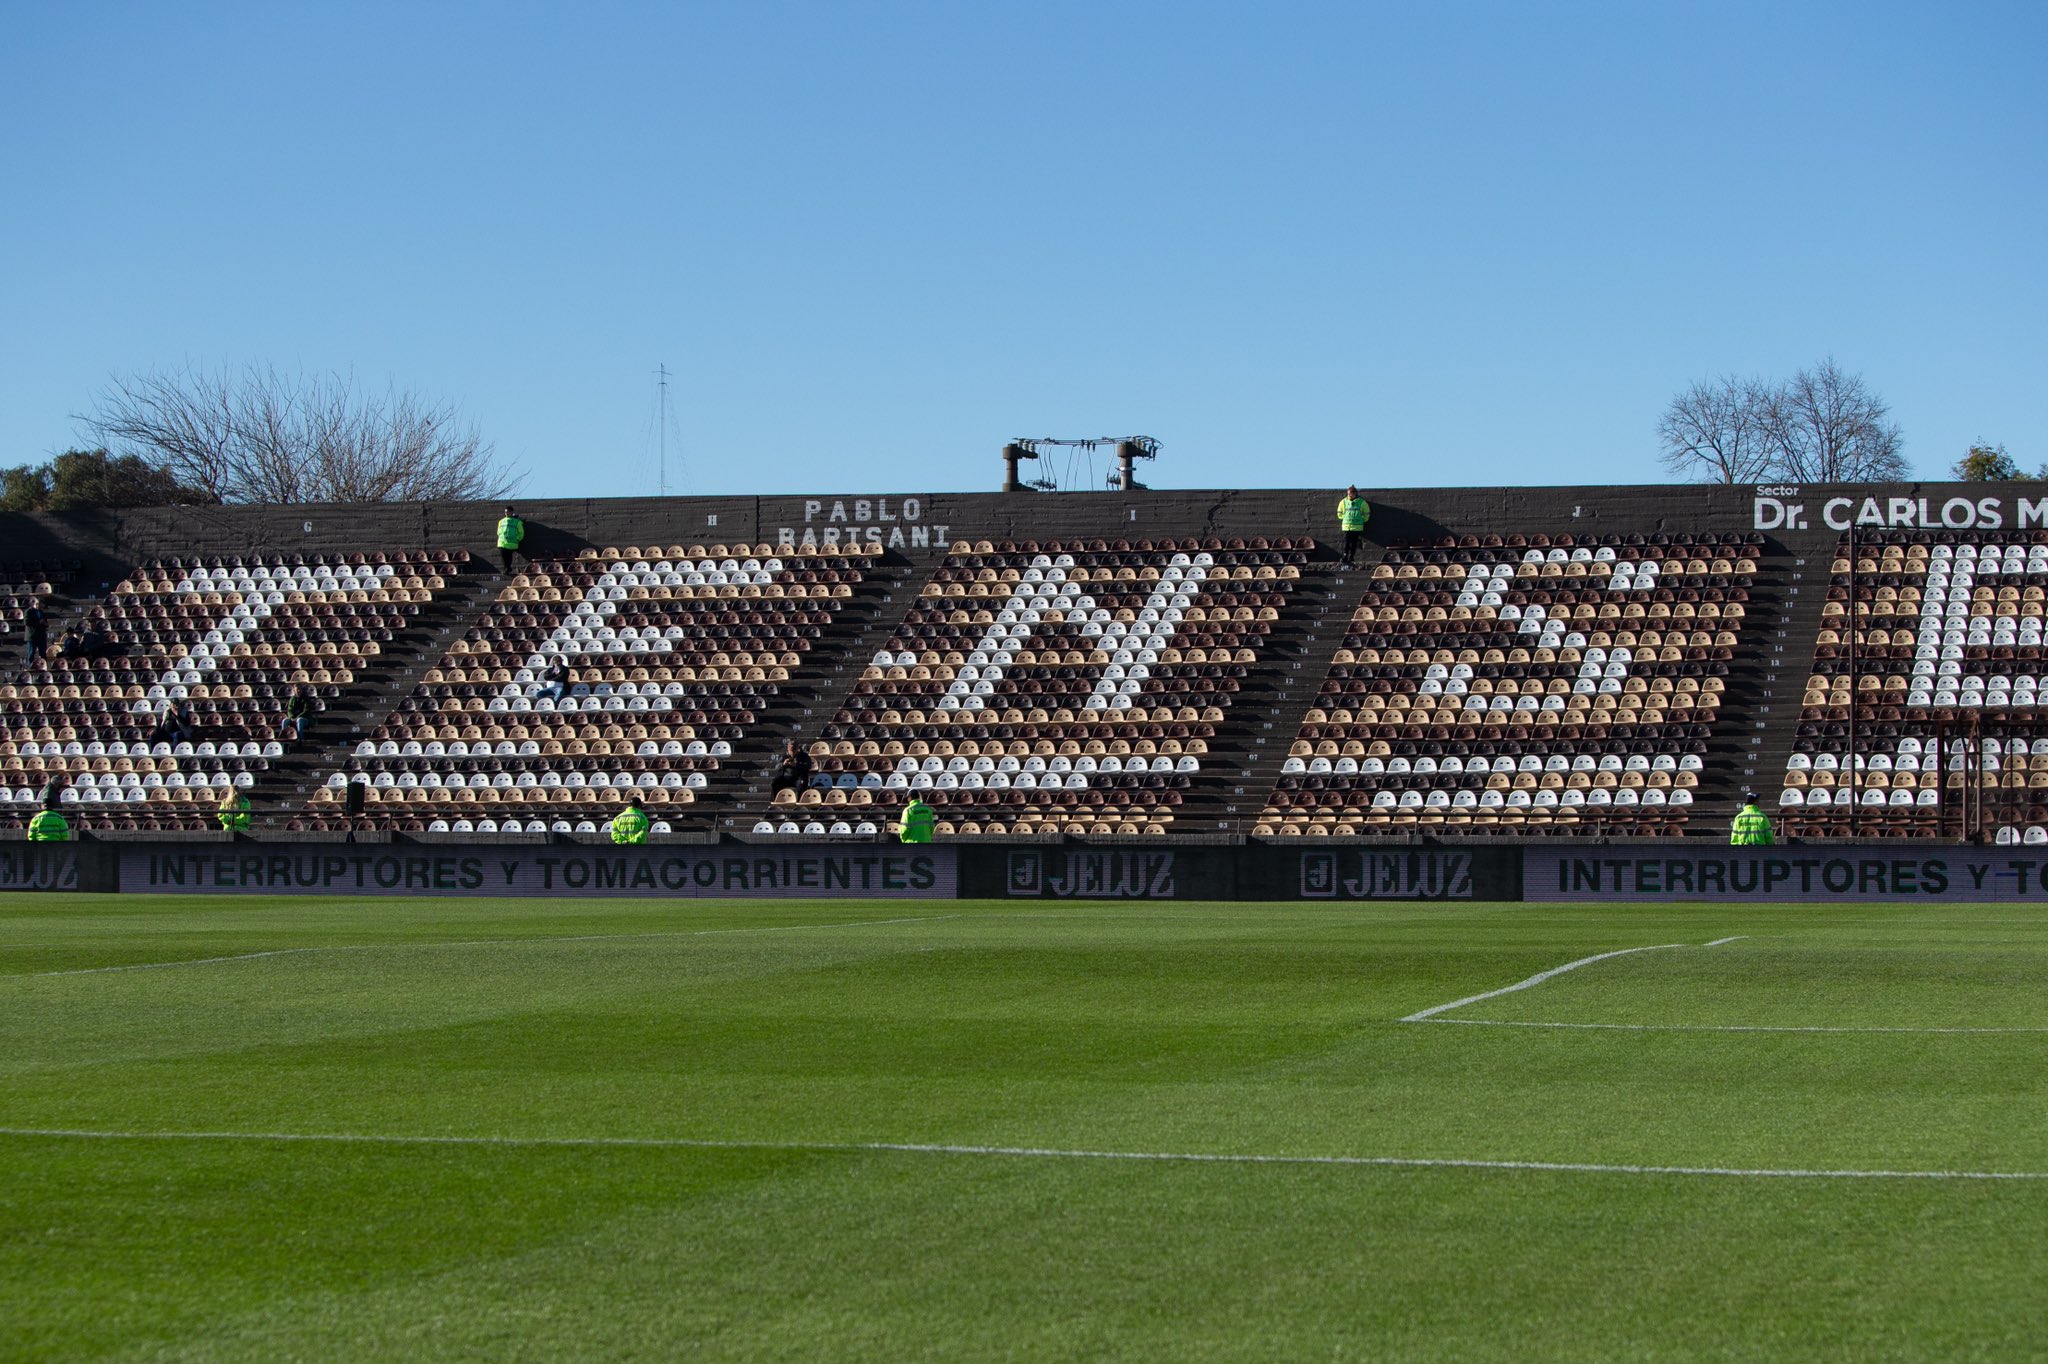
x: 901, y: 1131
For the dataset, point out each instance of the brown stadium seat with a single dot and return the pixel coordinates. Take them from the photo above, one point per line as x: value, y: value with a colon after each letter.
x: 1527, y: 683
x: 230, y: 637
x: 1946, y: 629
x: 673, y: 653
x: 1059, y: 685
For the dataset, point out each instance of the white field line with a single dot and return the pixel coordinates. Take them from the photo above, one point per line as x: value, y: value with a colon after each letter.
x: 1424, y: 1015
x: 467, y: 942
x: 1429, y: 1015
x: 1717, y: 1027
x: 1016, y: 1152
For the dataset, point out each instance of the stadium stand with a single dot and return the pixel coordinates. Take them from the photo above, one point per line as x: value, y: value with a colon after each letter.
x: 1585, y: 662
x: 22, y: 585
x: 1069, y: 686
x: 1523, y: 683
x: 229, y: 638
x: 672, y: 657
x: 1931, y: 646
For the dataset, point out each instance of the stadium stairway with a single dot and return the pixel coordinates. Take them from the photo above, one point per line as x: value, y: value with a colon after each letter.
x: 884, y: 598
x: 1767, y: 684
x: 1245, y: 760
x: 285, y: 789
x: 805, y: 703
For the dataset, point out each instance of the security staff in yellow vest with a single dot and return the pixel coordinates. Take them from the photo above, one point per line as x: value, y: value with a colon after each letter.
x: 49, y: 827
x: 233, y: 813
x: 1352, y: 511
x: 630, y: 824
x: 511, y: 534
x: 918, y: 820
x: 1752, y: 827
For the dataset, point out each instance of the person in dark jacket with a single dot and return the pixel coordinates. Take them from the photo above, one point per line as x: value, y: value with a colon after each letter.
x: 177, y: 725
x: 298, y: 712
x: 792, y: 769
x: 554, y: 683
x: 37, y: 627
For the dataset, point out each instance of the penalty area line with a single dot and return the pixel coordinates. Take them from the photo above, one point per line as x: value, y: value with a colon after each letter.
x: 1022, y: 1153
x: 1424, y: 1015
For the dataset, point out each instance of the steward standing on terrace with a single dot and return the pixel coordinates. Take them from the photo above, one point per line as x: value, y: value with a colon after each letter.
x: 49, y: 826
x: 1352, y: 511
x: 233, y: 813
x: 918, y: 819
x: 511, y: 534
x: 1752, y: 827
x: 630, y: 824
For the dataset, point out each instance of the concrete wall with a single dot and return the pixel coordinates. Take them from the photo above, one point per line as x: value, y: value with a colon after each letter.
x: 111, y: 542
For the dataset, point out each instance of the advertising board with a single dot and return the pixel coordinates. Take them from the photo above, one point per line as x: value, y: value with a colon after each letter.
x: 39, y: 867
x: 1813, y: 874
x: 812, y: 872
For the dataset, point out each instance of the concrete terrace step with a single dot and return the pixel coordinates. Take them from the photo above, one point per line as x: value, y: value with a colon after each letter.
x: 1253, y: 743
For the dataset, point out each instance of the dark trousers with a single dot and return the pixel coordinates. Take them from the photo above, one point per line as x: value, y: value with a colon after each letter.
x: 505, y: 557
x: 1352, y: 540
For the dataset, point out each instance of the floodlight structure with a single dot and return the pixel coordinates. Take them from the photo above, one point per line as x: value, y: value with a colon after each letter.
x: 1129, y: 450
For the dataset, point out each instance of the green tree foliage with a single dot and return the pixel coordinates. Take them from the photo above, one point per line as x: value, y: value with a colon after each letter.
x: 1991, y: 464
x: 79, y: 479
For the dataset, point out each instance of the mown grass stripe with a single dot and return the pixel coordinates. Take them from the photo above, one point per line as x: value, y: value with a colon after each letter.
x: 1018, y: 1152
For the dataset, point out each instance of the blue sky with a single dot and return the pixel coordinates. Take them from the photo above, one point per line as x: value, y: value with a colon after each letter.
x: 1300, y: 244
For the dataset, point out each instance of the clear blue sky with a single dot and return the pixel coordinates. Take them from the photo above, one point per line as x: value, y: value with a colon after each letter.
x: 1299, y: 244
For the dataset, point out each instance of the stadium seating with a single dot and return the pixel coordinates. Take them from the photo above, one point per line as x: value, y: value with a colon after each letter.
x: 1621, y: 666
x: 230, y: 637
x: 23, y: 585
x: 1059, y: 686
x: 1946, y: 629
x: 1522, y: 684
x: 674, y: 653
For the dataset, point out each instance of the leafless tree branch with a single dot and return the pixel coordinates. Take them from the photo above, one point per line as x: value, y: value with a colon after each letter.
x: 1714, y: 432
x: 263, y: 436
x: 1820, y: 426
x: 1829, y: 427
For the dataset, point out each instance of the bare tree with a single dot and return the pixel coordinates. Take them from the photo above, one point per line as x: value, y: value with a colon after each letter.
x: 1717, y: 432
x: 1819, y: 426
x: 1829, y: 427
x: 263, y: 436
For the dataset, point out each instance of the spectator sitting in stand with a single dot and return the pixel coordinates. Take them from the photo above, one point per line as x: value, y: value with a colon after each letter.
x: 298, y: 710
x: 93, y: 643
x: 554, y: 683
x: 177, y: 726
x: 792, y: 770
